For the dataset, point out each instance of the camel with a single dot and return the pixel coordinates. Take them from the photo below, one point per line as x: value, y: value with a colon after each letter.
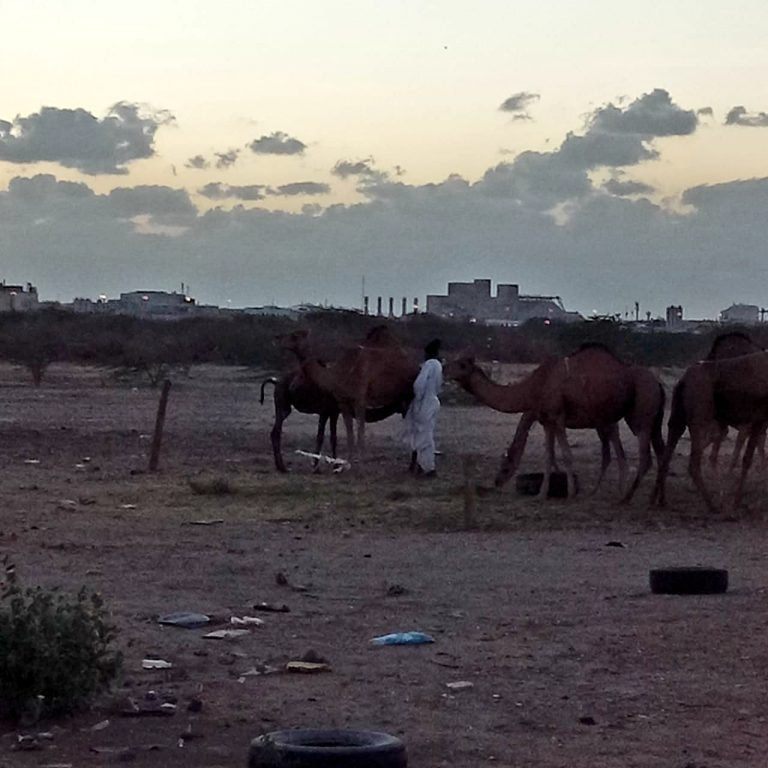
x: 590, y: 389
x: 726, y: 345
x: 710, y: 394
x: 294, y: 390
x: 375, y: 374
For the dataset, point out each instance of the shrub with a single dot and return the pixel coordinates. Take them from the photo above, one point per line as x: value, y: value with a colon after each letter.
x: 55, y: 653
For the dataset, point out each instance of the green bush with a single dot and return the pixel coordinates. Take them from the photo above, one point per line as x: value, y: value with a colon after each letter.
x: 55, y: 653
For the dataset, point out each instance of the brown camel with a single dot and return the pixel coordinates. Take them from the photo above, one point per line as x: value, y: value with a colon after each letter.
x: 294, y: 391
x: 375, y: 374
x: 590, y: 389
x: 710, y: 394
x: 727, y: 345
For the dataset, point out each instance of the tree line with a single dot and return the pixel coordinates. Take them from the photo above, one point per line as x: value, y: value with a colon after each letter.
x: 35, y: 340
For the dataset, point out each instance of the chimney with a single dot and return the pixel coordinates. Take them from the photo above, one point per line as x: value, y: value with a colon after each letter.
x: 378, y: 306
x: 416, y: 306
x: 404, y: 311
x: 391, y: 307
x: 365, y: 305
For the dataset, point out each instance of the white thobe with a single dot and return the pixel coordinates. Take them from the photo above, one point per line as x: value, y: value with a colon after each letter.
x: 421, y: 417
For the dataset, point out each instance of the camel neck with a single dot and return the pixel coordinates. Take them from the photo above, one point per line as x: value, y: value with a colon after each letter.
x: 510, y: 398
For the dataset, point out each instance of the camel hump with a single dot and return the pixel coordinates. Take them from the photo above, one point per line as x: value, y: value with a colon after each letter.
x: 732, y: 344
x: 597, y: 346
x: 380, y: 336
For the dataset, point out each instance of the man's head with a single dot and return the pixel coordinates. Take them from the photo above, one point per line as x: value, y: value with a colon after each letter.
x: 432, y: 350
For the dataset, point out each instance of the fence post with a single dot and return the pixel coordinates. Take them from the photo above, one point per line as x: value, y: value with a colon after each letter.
x: 159, y: 422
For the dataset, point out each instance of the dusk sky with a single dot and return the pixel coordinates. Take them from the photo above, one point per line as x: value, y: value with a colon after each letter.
x: 279, y: 152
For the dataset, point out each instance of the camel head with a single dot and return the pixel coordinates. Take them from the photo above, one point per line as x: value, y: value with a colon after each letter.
x: 296, y: 342
x: 461, y: 368
x: 379, y: 336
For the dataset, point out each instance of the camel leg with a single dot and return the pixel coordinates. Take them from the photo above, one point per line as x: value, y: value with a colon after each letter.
x: 549, y: 440
x: 276, y: 435
x: 511, y: 460
x: 675, y: 431
x: 334, y: 422
x: 741, y: 437
x: 755, y: 433
x: 643, y: 464
x: 621, y: 457
x: 717, y: 441
x: 349, y: 425
x: 605, y: 455
x: 319, y: 439
x: 562, y: 440
x: 360, y: 419
x: 699, y: 440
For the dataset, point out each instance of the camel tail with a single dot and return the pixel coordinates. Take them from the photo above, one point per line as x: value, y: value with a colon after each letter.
x: 677, y: 418
x: 271, y: 380
x: 660, y: 413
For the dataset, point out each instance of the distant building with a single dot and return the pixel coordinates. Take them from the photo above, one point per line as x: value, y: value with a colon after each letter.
x: 473, y: 301
x: 18, y: 298
x: 749, y: 314
x: 674, y: 317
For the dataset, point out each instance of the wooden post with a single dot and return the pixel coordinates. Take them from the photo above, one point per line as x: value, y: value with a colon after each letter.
x: 470, y: 491
x: 159, y: 421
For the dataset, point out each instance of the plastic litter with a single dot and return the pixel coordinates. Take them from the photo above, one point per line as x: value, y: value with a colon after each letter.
x: 403, y: 638
x: 460, y: 685
x: 155, y: 664
x: 226, y: 634
x: 246, y: 621
x: 185, y: 619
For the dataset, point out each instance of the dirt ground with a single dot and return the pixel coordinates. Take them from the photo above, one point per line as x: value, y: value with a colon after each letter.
x: 573, y: 662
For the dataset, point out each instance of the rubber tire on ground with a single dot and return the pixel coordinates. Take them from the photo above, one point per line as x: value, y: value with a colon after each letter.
x: 696, y: 580
x: 327, y: 749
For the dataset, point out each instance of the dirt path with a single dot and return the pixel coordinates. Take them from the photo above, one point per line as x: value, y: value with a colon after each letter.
x: 573, y: 662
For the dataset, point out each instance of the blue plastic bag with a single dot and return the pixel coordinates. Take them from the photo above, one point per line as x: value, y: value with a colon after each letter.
x: 403, y: 638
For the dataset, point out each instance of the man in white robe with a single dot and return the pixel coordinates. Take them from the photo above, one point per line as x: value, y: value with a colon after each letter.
x: 422, y: 413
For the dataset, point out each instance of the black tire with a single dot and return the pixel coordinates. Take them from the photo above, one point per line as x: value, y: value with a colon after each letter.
x: 327, y: 749
x: 697, y: 580
x: 530, y: 484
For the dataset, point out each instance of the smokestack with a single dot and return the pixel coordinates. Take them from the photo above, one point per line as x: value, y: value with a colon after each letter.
x: 365, y: 305
x: 378, y: 306
x: 391, y: 307
x: 404, y: 309
x: 416, y: 305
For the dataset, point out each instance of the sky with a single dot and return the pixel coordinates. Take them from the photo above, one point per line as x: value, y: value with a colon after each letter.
x: 286, y: 151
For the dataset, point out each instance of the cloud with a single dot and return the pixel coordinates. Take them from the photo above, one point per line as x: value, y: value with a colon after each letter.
x: 361, y: 168
x: 198, y: 162
x: 219, y: 191
x: 705, y: 112
x: 652, y: 114
x: 226, y: 160
x: 153, y: 200
x: 301, y: 188
x: 277, y: 143
x: 518, y: 104
x: 740, y: 116
x: 612, y: 247
x: 45, y: 185
x: 627, y: 188
x: 75, y: 138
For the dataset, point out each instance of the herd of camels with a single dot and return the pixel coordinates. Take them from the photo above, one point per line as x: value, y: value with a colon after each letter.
x: 588, y: 389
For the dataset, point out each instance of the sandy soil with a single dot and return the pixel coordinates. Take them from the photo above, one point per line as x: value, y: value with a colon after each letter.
x: 573, y: 662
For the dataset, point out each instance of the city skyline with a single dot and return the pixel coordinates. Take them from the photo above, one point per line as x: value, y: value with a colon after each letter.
x: 279, y: 152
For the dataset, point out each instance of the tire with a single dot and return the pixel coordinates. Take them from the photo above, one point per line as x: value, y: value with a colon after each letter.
x: 696, y: 580
x: 530, y: 484
x: 327, y: 749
